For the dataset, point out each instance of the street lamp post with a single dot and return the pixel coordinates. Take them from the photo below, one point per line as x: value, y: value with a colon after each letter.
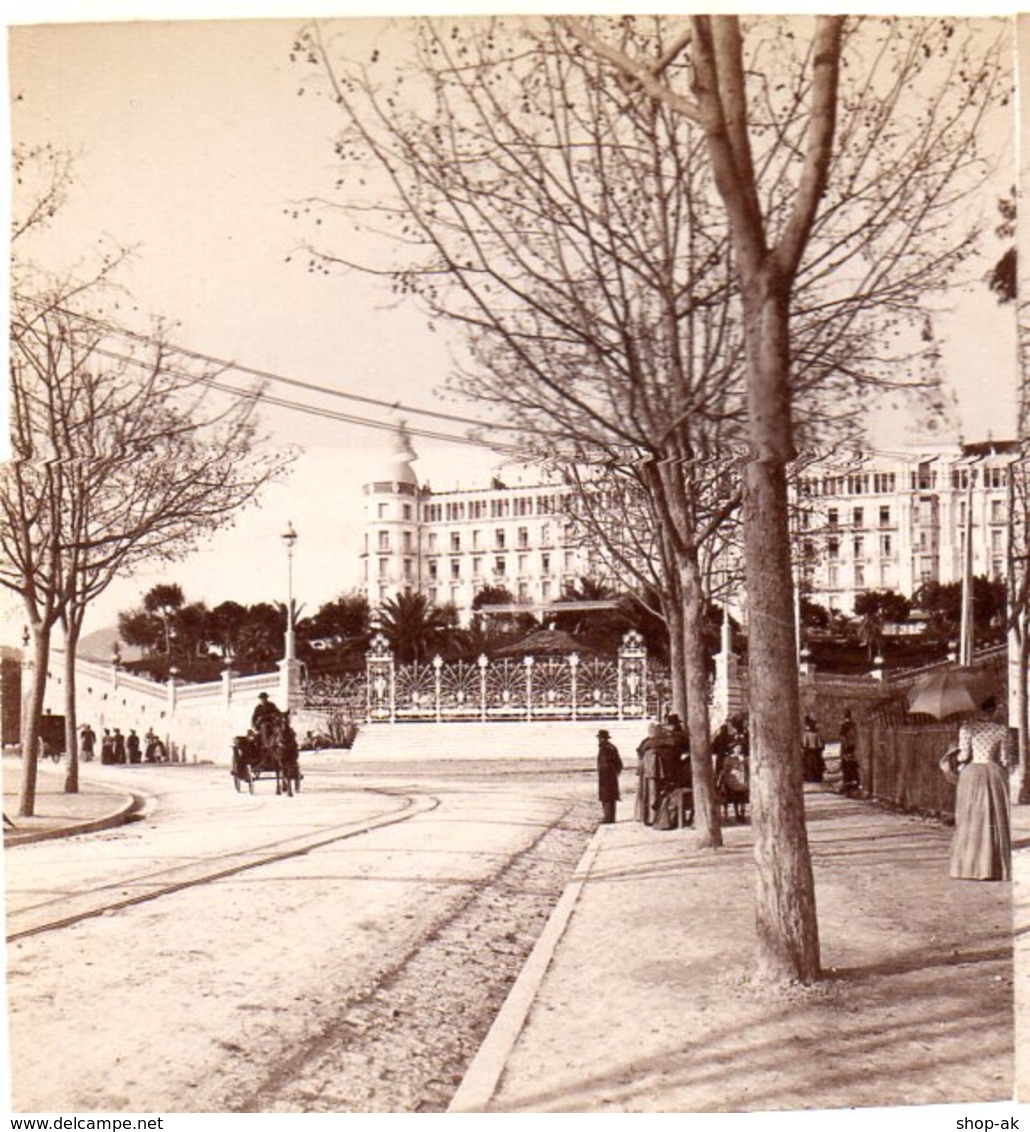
x: 289, y: 538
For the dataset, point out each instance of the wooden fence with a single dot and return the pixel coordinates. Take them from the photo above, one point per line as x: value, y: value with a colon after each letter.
x: 900, y: 766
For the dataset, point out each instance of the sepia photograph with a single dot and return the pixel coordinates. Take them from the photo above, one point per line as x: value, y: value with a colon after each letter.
x: 515, y: 560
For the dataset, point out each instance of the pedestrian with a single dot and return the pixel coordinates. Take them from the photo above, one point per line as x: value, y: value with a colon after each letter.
x: 849, y: 777
x: 87, y: 742
x: 609, y: 765
x: 118, y: 742
x: 982, y: 846
x: 813, y: 766
x: 132, y: 746
x: 107, y: 747
x: 649, y: 774
x: 733, y: 782
x: 681, y: 769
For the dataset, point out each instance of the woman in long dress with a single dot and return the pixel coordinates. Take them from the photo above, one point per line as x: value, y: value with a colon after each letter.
x: 982, y: 846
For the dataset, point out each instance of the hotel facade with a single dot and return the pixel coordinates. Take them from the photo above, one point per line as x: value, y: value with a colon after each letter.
x: 890, y: 520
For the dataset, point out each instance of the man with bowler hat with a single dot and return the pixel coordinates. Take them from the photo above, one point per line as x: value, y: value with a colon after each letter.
x: 608, y: 767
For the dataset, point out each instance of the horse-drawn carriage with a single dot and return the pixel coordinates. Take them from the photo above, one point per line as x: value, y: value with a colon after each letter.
x: 268, y: 750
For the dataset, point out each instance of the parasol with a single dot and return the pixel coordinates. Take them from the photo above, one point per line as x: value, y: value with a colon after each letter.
x: 952, y: 691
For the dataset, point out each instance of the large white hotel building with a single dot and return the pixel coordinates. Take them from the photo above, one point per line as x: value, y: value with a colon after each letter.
x: 866, y: 521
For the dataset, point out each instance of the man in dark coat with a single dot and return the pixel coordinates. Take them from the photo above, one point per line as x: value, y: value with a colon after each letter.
x: 608, y: 767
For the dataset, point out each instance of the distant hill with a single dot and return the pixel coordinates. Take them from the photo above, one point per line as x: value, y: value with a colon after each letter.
x: 98, y: 645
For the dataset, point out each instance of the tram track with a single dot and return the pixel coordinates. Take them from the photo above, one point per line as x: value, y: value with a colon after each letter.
x: 403, y: 1043
x: 36, y: 919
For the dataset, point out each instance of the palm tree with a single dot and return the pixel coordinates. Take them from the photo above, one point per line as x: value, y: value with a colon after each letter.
x: 415, y: 627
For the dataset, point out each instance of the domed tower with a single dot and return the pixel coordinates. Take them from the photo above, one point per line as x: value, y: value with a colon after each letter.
x: 392, y: 524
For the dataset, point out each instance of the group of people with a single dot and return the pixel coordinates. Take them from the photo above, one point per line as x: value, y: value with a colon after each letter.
x: 116, y: 748
x: 664, y: 797
x: 813, y: 747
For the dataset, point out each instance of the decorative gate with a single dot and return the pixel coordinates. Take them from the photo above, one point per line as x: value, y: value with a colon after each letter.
x: 551, y: 687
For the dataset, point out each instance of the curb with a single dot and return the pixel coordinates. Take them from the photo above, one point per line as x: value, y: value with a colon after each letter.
x: 131, y: 805
x: 479, y: 1084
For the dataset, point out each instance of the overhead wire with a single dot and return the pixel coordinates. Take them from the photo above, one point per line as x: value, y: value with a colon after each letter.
x: 302, y: 407
x: 225, y: 364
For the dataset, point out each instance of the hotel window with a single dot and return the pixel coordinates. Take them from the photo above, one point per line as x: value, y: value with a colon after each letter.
x: 432, y: 542
x: 384, y: 567
x: 432, y: 595
x: 455, y: 541
x: 884, y: 482
x: 570, y: 559
x: 523, y: 563
x: 858, y: 547
x: 545, y: 563
x: 832, y: 517
x: 407, y: 512
x: 384, y: 540
x: 499, y: 565
x: 433, y: 570
x: 858, y: 517
x: 499, y: 539
x: 477, y: 567
x: 477, y: 540
x: 381, y: 510
x: 833, y: 575
x: 523, y: 591
x: 455, y: 568
x: 995, y: 477
x: 885, y: 516
x: 407, y: 569
x: 545, y: 534
x: 523, y: 537
x: 407, y: 542
x: 999, y: 512
x: 859, y: 575
x: 833, y: 548
x: 545, y: 590
x: 885, y: 546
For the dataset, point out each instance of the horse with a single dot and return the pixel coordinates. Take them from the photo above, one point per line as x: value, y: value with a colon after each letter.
x: 279, y: 749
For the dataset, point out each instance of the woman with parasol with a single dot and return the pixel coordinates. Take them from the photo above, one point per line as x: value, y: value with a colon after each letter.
x: 981, y: 849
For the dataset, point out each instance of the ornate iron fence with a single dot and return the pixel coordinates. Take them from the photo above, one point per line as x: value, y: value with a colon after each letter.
x: 551, y: 687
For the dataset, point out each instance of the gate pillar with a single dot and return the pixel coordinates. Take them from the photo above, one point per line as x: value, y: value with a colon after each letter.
x: 632, y: 701
x: 381, y: 703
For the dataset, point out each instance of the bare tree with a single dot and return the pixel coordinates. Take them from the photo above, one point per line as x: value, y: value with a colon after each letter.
x: 629, y: 262
x: 123, y: 453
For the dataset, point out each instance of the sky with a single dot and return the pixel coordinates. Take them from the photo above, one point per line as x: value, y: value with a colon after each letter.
x: 192, y: 145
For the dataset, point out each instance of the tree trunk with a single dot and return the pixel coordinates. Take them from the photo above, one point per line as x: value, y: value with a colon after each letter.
x: 788, y: 933
x: 677, y: 664
x: 71, y: 781
x: 34, y: 713
x: 1023, y: 709
x: 707, y: 823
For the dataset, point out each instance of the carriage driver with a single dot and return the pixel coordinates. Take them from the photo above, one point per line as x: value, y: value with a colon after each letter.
x: 264, y: 713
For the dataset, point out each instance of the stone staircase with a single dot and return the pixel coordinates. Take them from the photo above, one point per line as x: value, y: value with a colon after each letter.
x: 539, y: 739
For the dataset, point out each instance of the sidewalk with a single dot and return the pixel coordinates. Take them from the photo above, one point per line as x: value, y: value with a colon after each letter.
x: 637, y: 999
x: 59, y: 814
